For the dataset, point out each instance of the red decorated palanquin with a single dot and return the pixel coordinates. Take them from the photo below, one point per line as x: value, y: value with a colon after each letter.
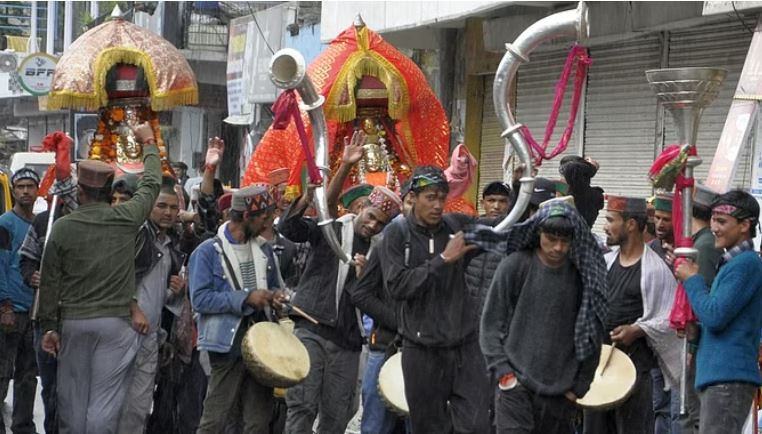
x: 370, y: 85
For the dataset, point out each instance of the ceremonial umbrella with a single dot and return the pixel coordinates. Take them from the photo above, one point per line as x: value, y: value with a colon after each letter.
x: 80, y: 75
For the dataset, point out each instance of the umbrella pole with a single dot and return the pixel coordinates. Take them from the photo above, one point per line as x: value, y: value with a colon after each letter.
x: 684, y: 378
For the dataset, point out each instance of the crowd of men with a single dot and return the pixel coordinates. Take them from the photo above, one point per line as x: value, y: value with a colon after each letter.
x: 132, y: 311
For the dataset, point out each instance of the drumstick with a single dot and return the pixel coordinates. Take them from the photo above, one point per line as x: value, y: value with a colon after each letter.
x: 304, y: 314
x: 608, y: 359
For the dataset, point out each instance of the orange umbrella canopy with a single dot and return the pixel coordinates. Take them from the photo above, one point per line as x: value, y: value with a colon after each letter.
x: 80, y: 75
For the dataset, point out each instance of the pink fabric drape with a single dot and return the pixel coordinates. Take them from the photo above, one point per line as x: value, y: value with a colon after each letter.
x: 285, y: 108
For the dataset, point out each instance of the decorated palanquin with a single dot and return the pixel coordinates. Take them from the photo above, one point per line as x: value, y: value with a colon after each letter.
x: 127, y: 74
x: 369, y: 85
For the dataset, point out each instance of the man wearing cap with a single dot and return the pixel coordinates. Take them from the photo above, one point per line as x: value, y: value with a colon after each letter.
x: 663, y: 244
x: 423, y: 261
x: 17, y: 356
x: 87, y: 292
x: 233, y: 282
x: 355, y: 198
x: 708, y: 259
x: 65, y: 188
x: 640, y: 293
x: 544, y: 189
x: 335, y: 343
x: 730, y: 313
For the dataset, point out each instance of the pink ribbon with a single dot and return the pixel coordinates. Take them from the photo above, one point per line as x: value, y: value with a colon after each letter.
x: 285, y: 108
x: 681, y: 313
x: 578, y: 55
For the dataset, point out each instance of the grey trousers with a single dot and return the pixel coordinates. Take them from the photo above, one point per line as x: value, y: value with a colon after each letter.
x: 137, y: 403
x: 235, y: 399
x: 93, y: 372
x: 725, y: 407
x: 330, y: 388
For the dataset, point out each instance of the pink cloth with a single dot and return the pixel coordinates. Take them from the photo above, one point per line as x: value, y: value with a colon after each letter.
x: 461, y: 172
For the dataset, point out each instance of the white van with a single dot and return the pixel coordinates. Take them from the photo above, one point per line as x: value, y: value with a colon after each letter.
x: 37, y: 161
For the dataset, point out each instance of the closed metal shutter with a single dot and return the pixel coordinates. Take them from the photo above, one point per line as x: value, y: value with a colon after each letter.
x: 492, y: 148
x: 723, y: 45
x: 621, y: 117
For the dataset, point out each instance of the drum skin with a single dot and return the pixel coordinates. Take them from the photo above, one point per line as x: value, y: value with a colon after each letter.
x: 615, y: 385
x: 274, y: 356
x: 391, y: 385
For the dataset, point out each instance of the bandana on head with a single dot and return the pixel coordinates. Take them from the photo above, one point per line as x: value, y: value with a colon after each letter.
x: 585, y: 254
x: 25, y: 173
x: 733, y: 211
x: 385, y: 201
x: 427, y: 179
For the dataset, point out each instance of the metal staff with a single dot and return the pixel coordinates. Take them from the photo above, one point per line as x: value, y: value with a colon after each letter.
x: 685, y: 93
x: 51, y: 218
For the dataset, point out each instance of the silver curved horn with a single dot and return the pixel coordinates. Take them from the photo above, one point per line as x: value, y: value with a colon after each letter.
x: 288, y: 70
x: 571, y: 23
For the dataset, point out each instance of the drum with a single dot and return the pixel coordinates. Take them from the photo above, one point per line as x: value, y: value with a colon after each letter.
x: 614, y: 384
x: 391, y: 385
x: 274, y: 356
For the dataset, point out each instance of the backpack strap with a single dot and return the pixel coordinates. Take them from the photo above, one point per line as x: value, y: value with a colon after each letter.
x: 228, y: 265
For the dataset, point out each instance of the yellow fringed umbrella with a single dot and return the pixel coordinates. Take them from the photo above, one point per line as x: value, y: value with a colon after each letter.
x: 80, y: 76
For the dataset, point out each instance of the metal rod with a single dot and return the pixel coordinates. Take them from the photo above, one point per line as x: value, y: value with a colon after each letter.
x: 51, y: 219
x: 684, y: 378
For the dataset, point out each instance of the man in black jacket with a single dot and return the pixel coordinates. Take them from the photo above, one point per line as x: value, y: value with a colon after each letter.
x: 334, y: 344
x: 423, y: 259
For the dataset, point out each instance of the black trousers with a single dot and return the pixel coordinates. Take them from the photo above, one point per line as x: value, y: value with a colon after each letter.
x: 634, y: 416
x: 445, y: 388
x: 520, y: 411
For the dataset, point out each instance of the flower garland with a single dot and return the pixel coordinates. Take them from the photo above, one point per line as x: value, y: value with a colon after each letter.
x: 106, y: 138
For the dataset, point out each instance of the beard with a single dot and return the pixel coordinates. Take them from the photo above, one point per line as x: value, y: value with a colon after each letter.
x: 611, y: 241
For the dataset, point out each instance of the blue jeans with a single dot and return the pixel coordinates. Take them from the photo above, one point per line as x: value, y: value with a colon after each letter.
x: 376, y: 417
x: 47, y: 366
x: 661, y: 404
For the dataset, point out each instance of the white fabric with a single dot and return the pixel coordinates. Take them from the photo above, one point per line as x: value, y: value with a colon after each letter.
x: 259, y: 256
x: 657, y: 287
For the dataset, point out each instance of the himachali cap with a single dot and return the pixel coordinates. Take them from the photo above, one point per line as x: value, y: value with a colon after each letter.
x: 629, y: 205
x: 385, y: 201
x: 278, y: 176
x: 703, y: 196
x: 94, y: 174
x: 355, y: 192
x: 253, y: 198
x: 225, y: 201
x: 663, y: 202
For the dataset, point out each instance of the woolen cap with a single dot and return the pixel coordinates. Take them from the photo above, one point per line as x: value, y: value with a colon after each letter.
x: 252, y: 198
x: 704, y: 196
x: 663, y: 202
x: 94, y: 174
x: 355, y: 192
x: 630, y: 205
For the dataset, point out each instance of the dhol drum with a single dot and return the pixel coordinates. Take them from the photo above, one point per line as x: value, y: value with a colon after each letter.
x: 613, y: 382
x: 391, y: 385
x: 274, y: 356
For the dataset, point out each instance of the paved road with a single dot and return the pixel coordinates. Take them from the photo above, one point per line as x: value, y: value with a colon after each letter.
x: 39, y: 413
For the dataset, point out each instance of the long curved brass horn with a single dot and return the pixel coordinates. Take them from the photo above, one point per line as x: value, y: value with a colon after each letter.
x: 571, y: 23
x: 288, y: 70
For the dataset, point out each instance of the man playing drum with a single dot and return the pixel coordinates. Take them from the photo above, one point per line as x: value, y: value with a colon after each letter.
x: 536, y: 313
x: 640, y: 294
x: 335, y: 343
x: 232, y: 281
x: 423, y: 263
